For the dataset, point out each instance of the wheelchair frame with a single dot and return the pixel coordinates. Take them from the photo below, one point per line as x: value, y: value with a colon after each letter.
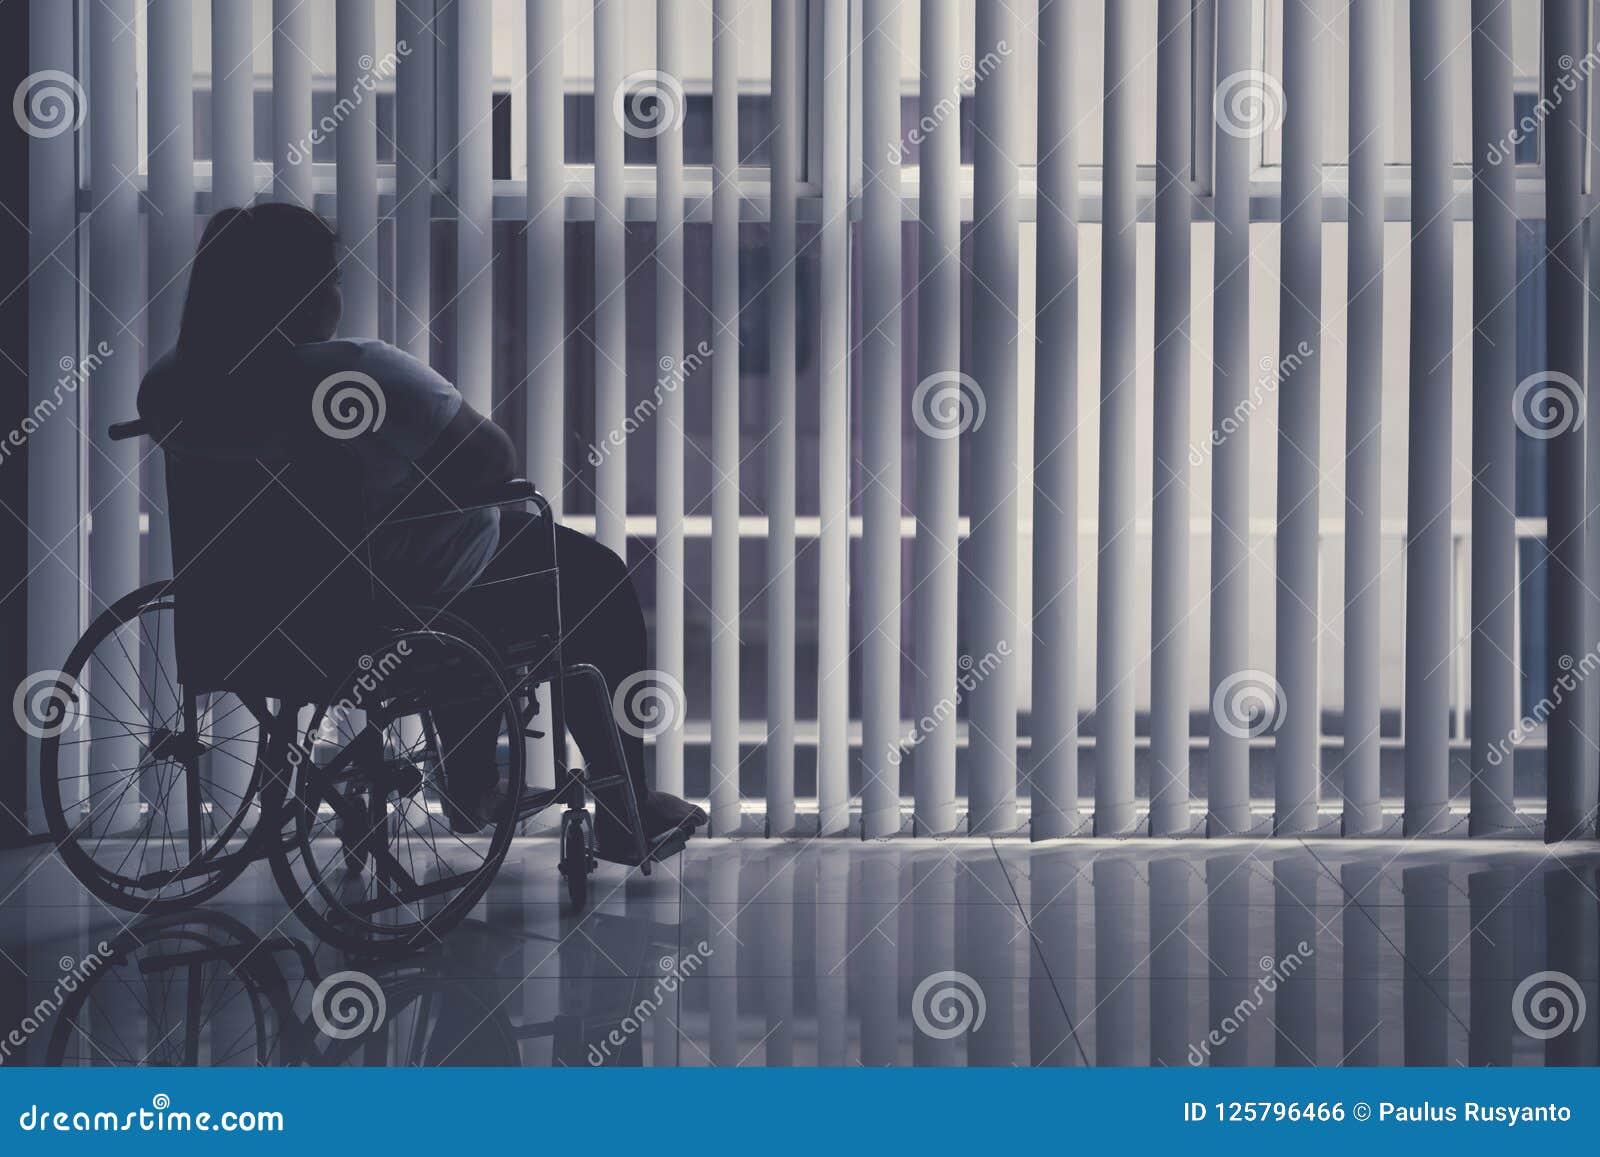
x: 520, y: 665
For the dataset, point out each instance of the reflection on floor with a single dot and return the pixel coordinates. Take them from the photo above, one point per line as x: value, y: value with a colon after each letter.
x: 768, y: 952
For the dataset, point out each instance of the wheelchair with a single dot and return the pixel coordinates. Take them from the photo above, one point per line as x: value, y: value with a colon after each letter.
x: 275, y: 700
x: 206, y: 988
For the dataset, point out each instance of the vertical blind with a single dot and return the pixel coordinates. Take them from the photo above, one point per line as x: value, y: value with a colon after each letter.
x: 842, y: 112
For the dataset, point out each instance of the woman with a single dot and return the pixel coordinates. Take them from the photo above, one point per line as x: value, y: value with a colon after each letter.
x: 257, y: 330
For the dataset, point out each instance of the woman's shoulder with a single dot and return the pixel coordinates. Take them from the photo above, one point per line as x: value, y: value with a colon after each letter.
x: 387, y: 365
x: 367, y: 354
x: 158, y: 391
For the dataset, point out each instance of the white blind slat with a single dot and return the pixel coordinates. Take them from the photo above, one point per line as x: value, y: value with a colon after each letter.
x: 934, y: 563
x: 670, y: 431
x: 997, y: 114
x: 1114, y: 616
x: 725, y: 448
x: 880, y: 419
x: 833, y: 438
x: 1297, y: 784
x: 781, y: 291
x: 1170, y: 610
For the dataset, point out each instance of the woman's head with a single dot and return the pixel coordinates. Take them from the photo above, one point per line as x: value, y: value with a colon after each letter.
x: 264, y: 276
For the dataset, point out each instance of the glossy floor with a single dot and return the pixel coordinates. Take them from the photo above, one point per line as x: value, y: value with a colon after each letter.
x: 766, y: 952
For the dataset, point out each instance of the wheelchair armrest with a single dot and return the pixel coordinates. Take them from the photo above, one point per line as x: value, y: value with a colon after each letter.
x: 495, y: 494
x: 501, y: 494
x: 122, y: 431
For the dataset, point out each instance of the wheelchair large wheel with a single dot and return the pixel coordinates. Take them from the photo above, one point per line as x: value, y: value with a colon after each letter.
x: 149, y: 791
x: 186, y: 989
x: 405, y: 789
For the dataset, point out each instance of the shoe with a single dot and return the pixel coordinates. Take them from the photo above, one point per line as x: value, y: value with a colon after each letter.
x: 487, y: 811
x: 685, y: 813
x: 664, y: 818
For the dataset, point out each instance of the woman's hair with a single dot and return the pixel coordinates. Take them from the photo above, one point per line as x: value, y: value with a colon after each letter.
x: 264, y: 277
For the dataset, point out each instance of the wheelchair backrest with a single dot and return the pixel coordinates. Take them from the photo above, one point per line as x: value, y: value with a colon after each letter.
x: 273, y: 593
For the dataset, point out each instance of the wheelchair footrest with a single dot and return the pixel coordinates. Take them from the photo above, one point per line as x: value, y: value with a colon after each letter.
x: 663, y: 850
x: 534, y: 802
x: 668, y: 848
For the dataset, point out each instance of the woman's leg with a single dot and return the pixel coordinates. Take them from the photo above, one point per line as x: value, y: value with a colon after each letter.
x: 602, y: 623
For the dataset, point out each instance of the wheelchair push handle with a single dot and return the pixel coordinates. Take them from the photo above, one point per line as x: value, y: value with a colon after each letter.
x: 122, y: 431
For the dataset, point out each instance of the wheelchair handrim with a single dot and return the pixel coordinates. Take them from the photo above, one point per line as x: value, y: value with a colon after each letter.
x: 109, y: 884
x: 338, y: 922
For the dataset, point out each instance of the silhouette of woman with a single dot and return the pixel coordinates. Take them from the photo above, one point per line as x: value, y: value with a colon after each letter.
x: 257, y: 335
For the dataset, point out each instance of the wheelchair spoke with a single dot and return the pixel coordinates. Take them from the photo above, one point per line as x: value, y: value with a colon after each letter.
x: 132, y: 726
x: 102, y: 774
x: 133, y: 844
x: 417, y: 892
x: 131, y: 729
x: 242, y: 762
x: 128, y: 782
x: 111, y: 789
x: 433, y: 846
x: 238, y: 704
x: 132, y: 666
x: 385, y: 800
x: 110, y: 1022
x: 161, y: 669
x: 211, y: 739
x: 166, y: 815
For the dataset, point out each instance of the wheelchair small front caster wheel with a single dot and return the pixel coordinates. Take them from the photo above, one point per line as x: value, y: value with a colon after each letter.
x: 576, y: 862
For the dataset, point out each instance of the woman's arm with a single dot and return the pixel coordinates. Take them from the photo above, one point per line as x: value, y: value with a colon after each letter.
x: 470, y: 452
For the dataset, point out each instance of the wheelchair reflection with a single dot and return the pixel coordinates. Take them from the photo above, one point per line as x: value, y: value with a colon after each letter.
x: 203, y: 988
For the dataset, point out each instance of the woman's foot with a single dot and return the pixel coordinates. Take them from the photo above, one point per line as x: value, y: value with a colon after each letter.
x: 662, y: 804
x: 488, y: 808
